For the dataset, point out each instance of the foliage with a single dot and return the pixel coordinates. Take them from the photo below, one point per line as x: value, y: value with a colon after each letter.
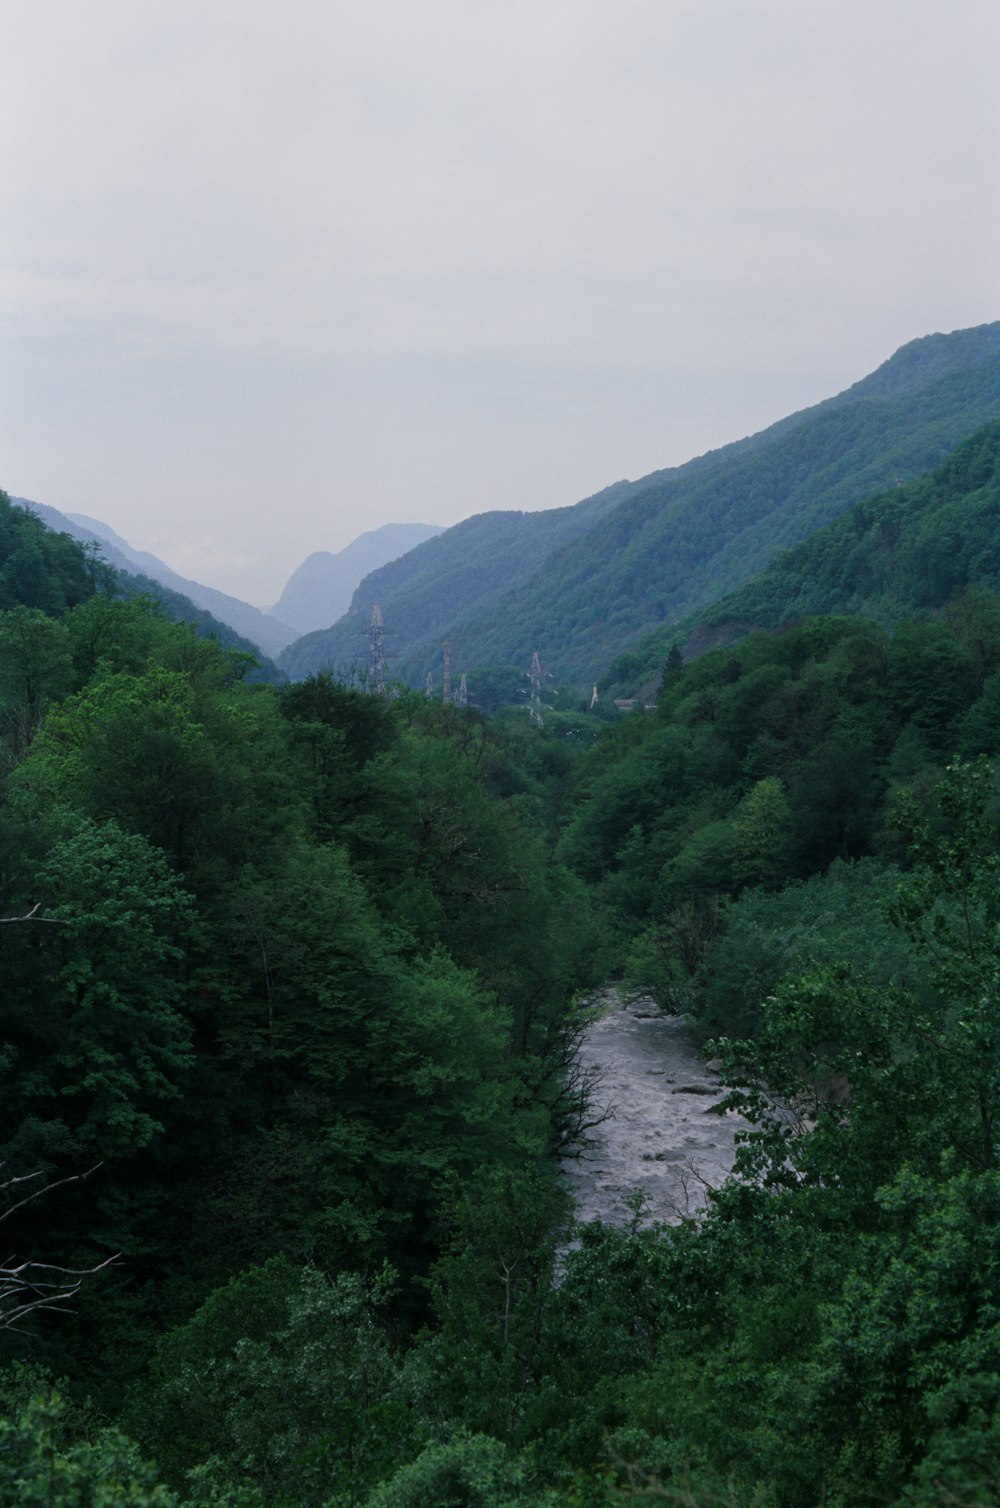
x: 906, y: 551
x: 761, y: 766
x: 281, y: 1384
x: 39, y: 1469
x: 295, y: 963
x: 470, y: 1471
x: 815, y: 923
x: 105, y: 991
x: 38, y: 569
x: 300, y: 970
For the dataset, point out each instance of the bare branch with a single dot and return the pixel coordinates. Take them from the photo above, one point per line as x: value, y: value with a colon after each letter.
x: 17, y: 1283
x: 32, y: 916
x: 25, y: 1287
x: 37, y: 1193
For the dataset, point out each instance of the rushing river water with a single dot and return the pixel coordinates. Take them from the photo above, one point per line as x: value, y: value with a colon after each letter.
x: 663, y: 1136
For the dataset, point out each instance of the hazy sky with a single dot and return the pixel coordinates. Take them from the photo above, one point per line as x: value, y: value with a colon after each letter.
x: 276, y: 274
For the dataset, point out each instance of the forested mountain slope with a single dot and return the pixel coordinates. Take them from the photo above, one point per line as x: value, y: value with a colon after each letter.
x: 264, y: 632
x: 899, y: 554
x: 431, y: 585
x: 292, y: 969
x: 180, y: 609
x: 673, y: 546
x: 50, y: 572
x: 38, y: 569
x: 677, y: 539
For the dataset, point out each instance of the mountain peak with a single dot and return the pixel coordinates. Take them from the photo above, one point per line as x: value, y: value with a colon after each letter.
x: 319, y: 591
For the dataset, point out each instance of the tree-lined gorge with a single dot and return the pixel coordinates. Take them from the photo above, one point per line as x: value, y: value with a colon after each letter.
x: 292, y: 979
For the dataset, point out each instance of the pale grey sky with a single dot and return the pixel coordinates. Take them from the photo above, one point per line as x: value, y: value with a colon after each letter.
x: 273, y: 275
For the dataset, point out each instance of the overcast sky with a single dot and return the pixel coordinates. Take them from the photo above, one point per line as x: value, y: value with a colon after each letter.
x: 276, y: 274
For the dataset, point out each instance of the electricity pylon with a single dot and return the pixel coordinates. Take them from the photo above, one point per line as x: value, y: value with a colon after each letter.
x: 376, y: 650
x: 535, y: 709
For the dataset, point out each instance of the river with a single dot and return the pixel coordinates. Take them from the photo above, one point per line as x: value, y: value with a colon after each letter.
x: 663, y: 1136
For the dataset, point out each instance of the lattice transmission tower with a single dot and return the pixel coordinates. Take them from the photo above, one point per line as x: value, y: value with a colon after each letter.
x: 535, y: 706
x: 376, y: 650
x: 462, y: 694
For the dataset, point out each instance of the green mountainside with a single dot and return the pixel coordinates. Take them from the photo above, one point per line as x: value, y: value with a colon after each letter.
x: 585, y: 584
x: 180, y: 609
x: 675, y: 546
x: 38, y: 569
x: 264, y: 633
x: 902, y: 553
x: 50, y: 571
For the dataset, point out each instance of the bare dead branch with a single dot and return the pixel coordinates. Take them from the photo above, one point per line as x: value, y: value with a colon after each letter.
x: 32, y: 916
x: 28, y: 1293
x: 37, y: 1193
x: 27, y: 1287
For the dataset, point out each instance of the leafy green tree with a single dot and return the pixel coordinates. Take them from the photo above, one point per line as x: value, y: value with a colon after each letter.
x: 979, y: 729
x: 932, y: 678
x: 34, y: 671
x: 39, y: 569
x: 672, y: 666
x: 354, y: 1076
x: 949, y: 907
x: 196, y: 769
x: 480, y: 1363
x: 903, y: 1394
x: 763, y: 829
x: 667, y: 959
x: 40, y: 1469
x: 763, y: 937
x: 96, y: 1038
x: 706, y: 865
x: 834, y: 799
x: 282, y: 1384
x: 469, y: 1471
x: 919, y: 1071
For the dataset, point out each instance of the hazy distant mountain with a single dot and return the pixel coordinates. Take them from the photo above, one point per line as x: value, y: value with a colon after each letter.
x: 320, y: 591
x: 588, y: 586
x: 260, y: 628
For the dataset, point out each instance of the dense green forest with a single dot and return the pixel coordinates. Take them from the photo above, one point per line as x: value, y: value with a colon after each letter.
x: 292, y: 981
x: 180, y: 609
x: 904, y: 552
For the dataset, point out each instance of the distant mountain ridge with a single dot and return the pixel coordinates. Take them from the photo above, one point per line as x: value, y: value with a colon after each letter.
x: 49, y: 568
x: 250, y: 623
x: 587, y: 585
x: 319, y: 591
